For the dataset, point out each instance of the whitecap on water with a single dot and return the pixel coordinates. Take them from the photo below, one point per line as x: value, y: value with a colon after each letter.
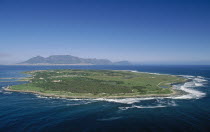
x: 7, y: 92
x: 70, y: 102
x: 3, y: 91
x: 78, y: 103
x: 124, y: 100
x: 189, y: 88
x: 40, y: 96
x: 159, y: 104
x: 141, y: 107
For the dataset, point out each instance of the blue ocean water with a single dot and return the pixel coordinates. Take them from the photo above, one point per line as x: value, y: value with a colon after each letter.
x: 29, y: 112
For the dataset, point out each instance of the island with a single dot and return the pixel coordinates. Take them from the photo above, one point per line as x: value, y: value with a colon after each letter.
x: 73, y: 83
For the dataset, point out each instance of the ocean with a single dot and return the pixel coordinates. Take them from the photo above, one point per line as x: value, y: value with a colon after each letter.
x: 25, y: 112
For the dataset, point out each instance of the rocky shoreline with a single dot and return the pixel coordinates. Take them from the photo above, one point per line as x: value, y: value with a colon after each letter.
x: 175, y: 93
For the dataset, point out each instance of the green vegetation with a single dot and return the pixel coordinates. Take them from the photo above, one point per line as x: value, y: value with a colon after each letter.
x: 97, y: 83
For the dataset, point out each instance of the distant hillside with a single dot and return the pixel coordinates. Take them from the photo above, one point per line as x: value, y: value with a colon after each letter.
x: 68, y: 59
x: 122, y: 63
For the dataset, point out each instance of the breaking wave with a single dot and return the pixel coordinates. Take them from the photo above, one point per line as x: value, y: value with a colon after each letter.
x: 189, y: 88
x: 2, y: 91
x: 141, y: 107
x: 159, y: 103
x: 124, y: 100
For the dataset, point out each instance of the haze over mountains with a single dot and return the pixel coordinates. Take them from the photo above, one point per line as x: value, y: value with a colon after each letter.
x: 69, y: 59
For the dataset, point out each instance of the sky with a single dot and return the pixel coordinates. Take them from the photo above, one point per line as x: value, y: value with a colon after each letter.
x: 140, y: 31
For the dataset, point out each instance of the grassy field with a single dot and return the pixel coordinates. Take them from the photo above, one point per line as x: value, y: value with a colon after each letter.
x: 97, y: 83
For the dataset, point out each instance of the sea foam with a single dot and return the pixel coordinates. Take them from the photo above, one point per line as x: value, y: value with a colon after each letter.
x: 189, y: 88
x: 159, y: 103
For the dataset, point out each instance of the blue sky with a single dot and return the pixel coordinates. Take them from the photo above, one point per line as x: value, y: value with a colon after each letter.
x: 144, y: 31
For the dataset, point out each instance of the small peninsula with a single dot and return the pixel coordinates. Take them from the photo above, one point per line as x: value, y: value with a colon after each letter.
x: 97, y: 84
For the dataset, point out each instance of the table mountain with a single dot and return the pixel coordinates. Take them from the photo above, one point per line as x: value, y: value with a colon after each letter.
x: 68, y: 59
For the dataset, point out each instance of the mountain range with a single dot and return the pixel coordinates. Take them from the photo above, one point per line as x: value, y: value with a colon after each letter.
x: 69, y: 59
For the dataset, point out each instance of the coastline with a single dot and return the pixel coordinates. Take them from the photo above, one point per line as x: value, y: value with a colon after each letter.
x: 60, y: 94
x: 175, y: 93
x: 46, y: 64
